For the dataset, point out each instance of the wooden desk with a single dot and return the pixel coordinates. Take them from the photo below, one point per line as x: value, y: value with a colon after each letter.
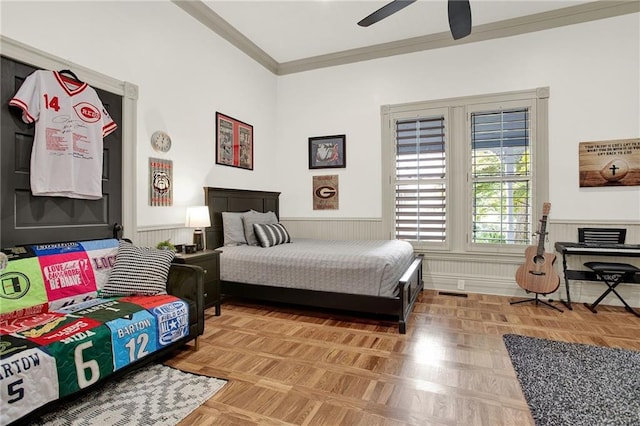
x: 590, y: 249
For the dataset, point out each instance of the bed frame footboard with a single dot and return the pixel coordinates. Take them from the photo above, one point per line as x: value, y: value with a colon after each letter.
x: 410, y: 285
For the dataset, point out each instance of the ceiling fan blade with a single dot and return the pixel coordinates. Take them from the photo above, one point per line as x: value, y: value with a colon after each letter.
x: 459, y: 18
x: 386, y: 10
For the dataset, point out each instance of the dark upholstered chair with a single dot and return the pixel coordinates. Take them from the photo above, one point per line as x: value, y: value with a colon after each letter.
x: 611, y: 273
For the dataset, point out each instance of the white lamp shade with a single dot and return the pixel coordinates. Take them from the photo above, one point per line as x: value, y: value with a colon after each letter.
x: 197, y: 217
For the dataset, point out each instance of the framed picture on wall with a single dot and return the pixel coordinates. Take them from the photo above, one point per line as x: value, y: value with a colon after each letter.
x: 325, y: 192
x: 326, y: 152
x: 160, y: 182
x: 609, y: 163
x: 234, y: 142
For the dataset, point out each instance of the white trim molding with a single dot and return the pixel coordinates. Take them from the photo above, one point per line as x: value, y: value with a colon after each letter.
x: 527, y: 24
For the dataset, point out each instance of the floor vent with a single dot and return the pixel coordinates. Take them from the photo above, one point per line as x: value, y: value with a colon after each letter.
x: 449, y: 293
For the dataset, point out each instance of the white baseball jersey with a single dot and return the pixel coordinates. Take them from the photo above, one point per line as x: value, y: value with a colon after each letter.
x: 71, y: 122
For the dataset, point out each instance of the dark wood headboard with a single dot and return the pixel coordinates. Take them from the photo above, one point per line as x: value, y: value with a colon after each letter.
x: 235, y: 200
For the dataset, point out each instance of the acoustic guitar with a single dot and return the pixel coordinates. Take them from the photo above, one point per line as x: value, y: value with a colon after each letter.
x: 538, y: 275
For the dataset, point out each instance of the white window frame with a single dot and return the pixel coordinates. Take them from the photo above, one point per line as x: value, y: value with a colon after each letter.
x: 457, y: 112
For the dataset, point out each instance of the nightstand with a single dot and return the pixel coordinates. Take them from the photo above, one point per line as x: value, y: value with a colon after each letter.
x: 209, y: 261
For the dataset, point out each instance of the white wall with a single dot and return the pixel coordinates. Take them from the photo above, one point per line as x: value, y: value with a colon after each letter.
x: 592, y: 70
x: 185, y: 73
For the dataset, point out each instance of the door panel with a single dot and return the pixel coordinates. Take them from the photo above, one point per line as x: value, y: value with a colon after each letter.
x: 28, y: 219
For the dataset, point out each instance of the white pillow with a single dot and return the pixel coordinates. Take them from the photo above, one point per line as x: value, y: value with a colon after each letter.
x: 252, y: 218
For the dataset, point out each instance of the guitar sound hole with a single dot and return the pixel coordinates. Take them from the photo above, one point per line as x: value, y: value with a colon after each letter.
x: 538, y: 260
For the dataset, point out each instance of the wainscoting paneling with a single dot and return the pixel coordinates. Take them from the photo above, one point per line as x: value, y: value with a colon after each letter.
x: 151, y: 236
x: 336, y: 229
x: 478, y: 276
x: 473, y: 275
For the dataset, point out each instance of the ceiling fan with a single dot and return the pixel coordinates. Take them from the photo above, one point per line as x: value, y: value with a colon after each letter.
x: 459, y: 15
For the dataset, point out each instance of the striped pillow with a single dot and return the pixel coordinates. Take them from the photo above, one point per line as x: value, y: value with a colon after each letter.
x: 138, y: 271
x: 271, y: 234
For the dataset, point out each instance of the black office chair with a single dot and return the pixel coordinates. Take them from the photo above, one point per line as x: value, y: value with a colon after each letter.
x: 611, y: 273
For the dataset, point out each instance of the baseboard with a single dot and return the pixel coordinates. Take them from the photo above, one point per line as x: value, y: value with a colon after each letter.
x: 581, y: 291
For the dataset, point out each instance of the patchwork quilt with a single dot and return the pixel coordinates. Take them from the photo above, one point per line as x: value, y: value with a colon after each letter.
x: 58, y: 336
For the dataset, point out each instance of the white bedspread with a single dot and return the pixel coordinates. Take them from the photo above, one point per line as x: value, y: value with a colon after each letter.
x: 358, y: 267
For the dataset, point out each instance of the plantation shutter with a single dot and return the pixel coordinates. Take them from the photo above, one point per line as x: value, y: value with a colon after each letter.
x: 420, y: 179
x: 501, y: 177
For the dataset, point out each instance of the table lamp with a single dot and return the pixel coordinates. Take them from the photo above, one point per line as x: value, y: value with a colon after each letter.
x: 198, y: 217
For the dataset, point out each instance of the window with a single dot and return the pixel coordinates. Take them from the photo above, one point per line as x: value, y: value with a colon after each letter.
x: 466, y: 174
x: 501, y: 174
x: 420, y: 172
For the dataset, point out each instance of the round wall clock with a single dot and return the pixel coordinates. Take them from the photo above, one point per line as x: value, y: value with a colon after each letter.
x: 160, y: 141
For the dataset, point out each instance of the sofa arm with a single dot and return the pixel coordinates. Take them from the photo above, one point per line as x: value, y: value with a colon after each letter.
x: 187, y: 282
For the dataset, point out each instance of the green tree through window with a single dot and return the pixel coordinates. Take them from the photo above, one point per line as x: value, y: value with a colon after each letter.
x: 501, y: 177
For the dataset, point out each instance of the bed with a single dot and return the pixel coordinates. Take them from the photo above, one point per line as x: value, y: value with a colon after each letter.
x: 396, y: 284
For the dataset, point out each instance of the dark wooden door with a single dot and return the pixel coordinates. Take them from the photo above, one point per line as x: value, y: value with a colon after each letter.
x: 28, y: 219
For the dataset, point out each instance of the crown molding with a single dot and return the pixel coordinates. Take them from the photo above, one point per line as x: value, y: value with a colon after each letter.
x: 596, y: 10
x: 203, y: 13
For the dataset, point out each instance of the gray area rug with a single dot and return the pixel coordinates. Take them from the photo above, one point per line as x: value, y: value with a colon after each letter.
x: 575, y: 384
x: 154, y: 395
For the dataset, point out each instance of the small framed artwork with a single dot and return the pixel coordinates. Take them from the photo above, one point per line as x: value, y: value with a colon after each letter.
x: 160, y: 182
x: 234, y: 142
x: 325, y: 192
x: 326, y: 152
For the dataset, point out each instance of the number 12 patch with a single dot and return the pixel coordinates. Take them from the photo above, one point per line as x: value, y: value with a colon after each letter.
x: 133, y: 337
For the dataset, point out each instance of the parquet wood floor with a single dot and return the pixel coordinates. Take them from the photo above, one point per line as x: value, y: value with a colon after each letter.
x: 290, y: 366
